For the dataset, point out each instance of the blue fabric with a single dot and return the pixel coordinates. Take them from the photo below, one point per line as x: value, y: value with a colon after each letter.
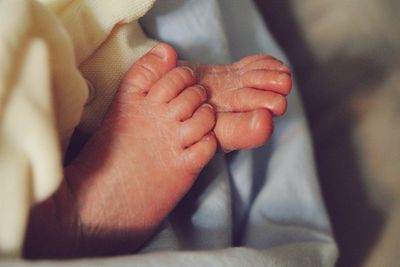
x: 258, y: 207
x: 262, y: 198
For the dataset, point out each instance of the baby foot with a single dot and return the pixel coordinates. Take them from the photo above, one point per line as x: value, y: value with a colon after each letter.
x: 154, y: 141
x: 254, y: 88
x: 254, y: 82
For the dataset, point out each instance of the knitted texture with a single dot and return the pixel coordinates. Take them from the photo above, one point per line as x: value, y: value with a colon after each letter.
x: 47, y: 51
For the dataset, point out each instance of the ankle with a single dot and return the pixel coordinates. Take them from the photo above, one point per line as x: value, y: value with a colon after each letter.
x: 53, y: 228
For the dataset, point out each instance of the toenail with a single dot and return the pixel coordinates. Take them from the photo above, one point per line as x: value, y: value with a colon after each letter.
x: 91, y: 92
x: 202, y: 91
x: 160, y: 52
x: 206, y: 105
x: 189, y: 69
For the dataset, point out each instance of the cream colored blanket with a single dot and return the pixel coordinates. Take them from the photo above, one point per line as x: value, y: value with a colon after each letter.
x: 47, y: 50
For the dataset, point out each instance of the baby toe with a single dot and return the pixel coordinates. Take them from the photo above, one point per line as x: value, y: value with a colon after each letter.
x: 149, y: 69
x: 248, y: 99
x: 169, y: 86
x: 185, y: 104
x: 199, y: 125
x: 267, y: 64
x: 276, y: 81
x: 250, y: 59
x: 243, y: 130
x: 199, y: 154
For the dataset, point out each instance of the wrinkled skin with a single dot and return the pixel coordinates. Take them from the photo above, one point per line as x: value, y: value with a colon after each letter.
x: 156, y: 137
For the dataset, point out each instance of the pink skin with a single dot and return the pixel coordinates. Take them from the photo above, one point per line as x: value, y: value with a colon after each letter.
x: 246, y: 95
x: 254, y: 82
x: 152, y: 144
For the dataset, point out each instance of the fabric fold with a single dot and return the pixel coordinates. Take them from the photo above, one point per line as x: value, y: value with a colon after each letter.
x: 48, y: 48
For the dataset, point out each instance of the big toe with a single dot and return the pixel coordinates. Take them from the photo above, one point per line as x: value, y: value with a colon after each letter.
x: 243, y: 130
x: 149, y: 69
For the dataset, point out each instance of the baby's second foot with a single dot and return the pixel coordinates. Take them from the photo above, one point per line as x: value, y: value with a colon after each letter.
x: 154, y: 141
x: 246, y: 95
x: 254, y: 82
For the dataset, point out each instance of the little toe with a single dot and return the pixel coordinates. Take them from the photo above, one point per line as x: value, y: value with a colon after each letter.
x: 149, y: 69
x: 201, y: 123
x: 185, y: 104
x: 169, y: 86
x: 200, y: 153
x: 248, y: 99
x: 250, y: 59
x: 276, y: 81
x: 243, y: 130
x: 267, y: 64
